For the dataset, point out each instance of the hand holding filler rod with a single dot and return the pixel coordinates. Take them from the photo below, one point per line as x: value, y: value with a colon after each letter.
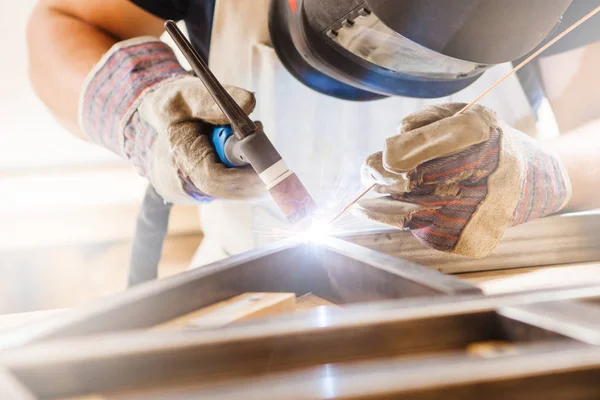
x: 253, y: 145
x: 364, y: 192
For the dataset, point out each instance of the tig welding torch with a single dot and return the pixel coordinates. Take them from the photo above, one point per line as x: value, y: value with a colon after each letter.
x: 245, y: 142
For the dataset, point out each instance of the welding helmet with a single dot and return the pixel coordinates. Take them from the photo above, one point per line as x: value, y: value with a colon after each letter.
x: 369, y: 49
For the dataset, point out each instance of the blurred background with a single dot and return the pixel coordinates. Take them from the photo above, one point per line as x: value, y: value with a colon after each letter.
x: 67, y: 208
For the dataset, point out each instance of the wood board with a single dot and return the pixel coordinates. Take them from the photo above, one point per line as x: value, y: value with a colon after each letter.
x: 309, y: 301
x: 239, y: 308
x: 532, y: 278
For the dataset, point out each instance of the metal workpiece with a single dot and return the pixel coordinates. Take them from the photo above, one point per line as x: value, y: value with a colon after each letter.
x: 469, y: 346
x: 555, y: 240
x: 434, y: 337
x: 333, y: 269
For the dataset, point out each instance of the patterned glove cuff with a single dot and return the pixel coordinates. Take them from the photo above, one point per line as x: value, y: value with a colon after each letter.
x: 117, y: 83
x: 546, y: 186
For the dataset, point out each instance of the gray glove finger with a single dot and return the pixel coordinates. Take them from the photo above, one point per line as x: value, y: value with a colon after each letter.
x: 386, y: 210
x: 186, y: 99
x: 408, y: 150
x: 372, y: 172
x: 429, y: 115
x: 216, y: 180
x: 194, y: 155
x: 204, y: 107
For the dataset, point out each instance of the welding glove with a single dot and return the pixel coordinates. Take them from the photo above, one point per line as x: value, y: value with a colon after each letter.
x: 457, y: 182
x: 140, y: 103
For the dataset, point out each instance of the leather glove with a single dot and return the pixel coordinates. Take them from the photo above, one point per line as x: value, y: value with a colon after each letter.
x: 457, y: 182
x: 140, y: 103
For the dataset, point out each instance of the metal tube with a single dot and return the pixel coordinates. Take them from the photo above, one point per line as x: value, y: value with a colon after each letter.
x: 242, y: 125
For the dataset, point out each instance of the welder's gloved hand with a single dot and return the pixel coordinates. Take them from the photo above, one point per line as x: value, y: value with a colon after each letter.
x: 140, y: 103
x: 457, y: 182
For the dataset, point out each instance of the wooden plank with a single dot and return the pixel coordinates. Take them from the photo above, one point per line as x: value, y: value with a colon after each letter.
x: 492, y: 349
x: 238, y: 308
x: 534, y: 278
x: 310, y: 301
x: 562, y: 239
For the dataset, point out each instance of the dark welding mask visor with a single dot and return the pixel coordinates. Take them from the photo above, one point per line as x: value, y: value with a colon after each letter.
x: 365, y: 50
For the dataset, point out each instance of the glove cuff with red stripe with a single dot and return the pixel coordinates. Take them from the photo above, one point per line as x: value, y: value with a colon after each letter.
x: 140, y: 103
x: 467, y: 178
x: 114, y: 88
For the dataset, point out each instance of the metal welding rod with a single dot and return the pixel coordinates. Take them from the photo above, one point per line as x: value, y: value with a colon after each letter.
x: 252, y: 146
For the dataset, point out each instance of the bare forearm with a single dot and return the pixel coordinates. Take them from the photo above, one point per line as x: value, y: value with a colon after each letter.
x: 65, y: 42
x: 580, y: 152
x: 62, y: 50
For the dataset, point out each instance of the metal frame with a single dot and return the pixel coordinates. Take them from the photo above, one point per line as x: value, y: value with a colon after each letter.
x: 332, y: 269
x: 411, y: 348
x: 561, y: 239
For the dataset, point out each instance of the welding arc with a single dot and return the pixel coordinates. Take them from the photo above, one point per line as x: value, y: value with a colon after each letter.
x: 485, y: 92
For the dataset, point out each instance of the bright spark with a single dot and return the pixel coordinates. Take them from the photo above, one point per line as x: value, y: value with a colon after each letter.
x: 317, y: 231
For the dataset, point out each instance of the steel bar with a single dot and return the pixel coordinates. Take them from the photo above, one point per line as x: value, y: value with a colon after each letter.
x: 335, y: 270
x: 241, y: 123
x: 562, y: 239
x: 406, y: 328
x: 549, y: 372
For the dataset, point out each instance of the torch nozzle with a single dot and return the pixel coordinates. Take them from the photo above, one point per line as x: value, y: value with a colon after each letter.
x: 293, y: 199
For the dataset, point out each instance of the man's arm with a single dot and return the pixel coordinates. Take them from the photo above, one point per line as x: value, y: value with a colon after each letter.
x: 571, y: 81
x: 66, y: 38
x: 579, y: 150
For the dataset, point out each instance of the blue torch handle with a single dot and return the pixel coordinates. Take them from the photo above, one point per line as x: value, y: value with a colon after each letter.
x: 219, y: 137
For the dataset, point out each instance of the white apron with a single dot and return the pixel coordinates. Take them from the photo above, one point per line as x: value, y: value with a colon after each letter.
x: 323, y: 139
